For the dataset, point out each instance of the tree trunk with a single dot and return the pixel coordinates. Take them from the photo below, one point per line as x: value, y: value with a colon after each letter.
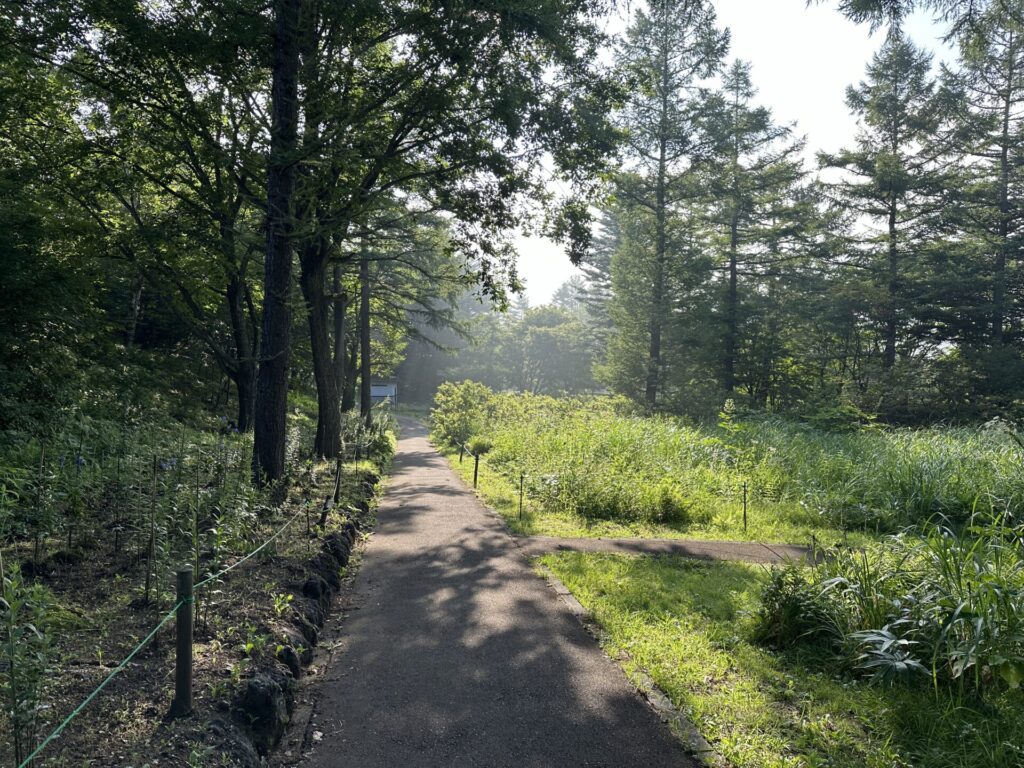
x: 328, y: 416
x: 272, y: 380
x: 889, y: 352
x: 340, y: 309
x: 244, y: 375
x: 365, y: 402
x: 245, y: 385
x: 658, y: 288
x: 732, y: 305
x: 999, y: 271
x: 348, y: 397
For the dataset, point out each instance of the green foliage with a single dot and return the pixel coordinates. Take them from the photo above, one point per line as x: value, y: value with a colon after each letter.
x: 24, y: 656
x: 691, y: 626
x: 943, y: 606
x: 459, y: 410
x: 479, y: 445
x: 593, y: 459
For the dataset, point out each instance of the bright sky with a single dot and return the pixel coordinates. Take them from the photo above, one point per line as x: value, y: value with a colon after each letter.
x: 803, y: 59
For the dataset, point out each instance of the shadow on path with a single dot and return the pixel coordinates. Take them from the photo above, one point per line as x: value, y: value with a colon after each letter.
x: 457, y: 654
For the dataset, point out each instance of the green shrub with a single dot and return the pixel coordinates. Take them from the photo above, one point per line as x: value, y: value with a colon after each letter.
x: 479, y: 446
x: 946, y: 606
x: 24, y: 656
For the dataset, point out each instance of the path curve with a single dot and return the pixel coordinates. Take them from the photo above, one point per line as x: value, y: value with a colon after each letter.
x: 458, y: 654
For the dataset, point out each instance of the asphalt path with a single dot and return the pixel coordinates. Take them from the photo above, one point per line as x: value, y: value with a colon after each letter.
x: 458, y: 654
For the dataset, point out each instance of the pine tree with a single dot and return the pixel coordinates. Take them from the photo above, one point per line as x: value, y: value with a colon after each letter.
x: 752, y: 181
x: 665, y: 54
x: 894, y: 182
x: 992, y: 77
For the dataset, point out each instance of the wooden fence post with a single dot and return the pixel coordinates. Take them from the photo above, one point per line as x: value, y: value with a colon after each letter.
x: 521, y: 478
x: 476, y: 467
x: 744, y: 507
x: 182, y: 704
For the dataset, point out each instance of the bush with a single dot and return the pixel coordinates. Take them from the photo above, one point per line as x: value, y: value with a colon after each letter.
x: 944, y: 606
x: 479, y: 446
x: 459, y: 409
x: 795, y: 609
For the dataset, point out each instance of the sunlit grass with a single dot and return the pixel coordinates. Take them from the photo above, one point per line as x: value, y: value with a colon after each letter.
x: 689, y: 624
x: 767, y: 522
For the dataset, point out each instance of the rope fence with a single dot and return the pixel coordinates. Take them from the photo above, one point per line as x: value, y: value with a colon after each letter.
x: 183, y: 666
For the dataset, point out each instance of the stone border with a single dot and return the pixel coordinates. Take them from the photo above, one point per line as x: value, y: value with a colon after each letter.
x: 260, y: 712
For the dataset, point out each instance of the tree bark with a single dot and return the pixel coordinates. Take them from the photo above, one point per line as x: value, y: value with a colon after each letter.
x: 328, y: 416
x: 999, y: 276
x: 244, y: 375
x: 348, y: 397
x: 889, y: 352
x: 732, y: 305
x: 340, y: 309
x: 365, y: 402
x: 272, y: 380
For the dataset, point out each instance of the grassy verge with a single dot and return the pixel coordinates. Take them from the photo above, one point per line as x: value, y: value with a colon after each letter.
x: 768, y: 522
x: 688, y: 625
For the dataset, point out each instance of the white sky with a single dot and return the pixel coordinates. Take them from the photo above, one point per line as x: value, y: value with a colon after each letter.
x: 803, y: 59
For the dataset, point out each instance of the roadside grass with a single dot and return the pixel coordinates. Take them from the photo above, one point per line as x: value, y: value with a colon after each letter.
x: 769, y: 522
x: 597, y: 466
x: 689, y: 625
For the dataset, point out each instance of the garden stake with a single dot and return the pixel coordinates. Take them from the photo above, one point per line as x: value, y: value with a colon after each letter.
x: 744, y: 507
x: 476, y: 468
x: 195, y: 529
x: 183, y: 646
x: 462, y: 450
x: 39, y: 501
x: 151, y: 550
x: 521, y: 478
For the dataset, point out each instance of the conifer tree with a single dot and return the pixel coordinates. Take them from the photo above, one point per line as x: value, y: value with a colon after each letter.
x: 752, y: 182
x: 893, y: 182
x: 666, y: 53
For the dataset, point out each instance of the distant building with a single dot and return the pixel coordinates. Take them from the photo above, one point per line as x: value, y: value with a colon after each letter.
x: 381, y: 391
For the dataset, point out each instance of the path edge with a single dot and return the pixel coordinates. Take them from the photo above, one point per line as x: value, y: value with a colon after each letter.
x: 661, y: 705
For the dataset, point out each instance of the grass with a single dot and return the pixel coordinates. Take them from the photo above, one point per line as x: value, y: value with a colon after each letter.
x: 592, y: 466
x: 767, y: 522
x: 690, y: 626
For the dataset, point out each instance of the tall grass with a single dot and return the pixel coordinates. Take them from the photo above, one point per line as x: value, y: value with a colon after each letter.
x: 946, y: 607
x: 597, y: 459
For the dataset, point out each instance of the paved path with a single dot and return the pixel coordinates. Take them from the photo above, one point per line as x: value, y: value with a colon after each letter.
x: 749, y: 551
x: 459, y: 655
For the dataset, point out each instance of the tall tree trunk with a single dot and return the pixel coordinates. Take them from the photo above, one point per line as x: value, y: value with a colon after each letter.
x: 272, y: 381
x: 134, y: 310
x: 245, y: 386
x: 348, y: 396
x: 999, y: 271
x: 365, y: 402
x: 244, y: 375
x: 328, y: 416
x: 340, y: 309
x: 732, y: 306
x: 658, y: 288
x: 892, y: 289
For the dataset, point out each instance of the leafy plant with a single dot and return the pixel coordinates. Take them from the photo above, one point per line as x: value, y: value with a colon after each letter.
x: 25, y: 655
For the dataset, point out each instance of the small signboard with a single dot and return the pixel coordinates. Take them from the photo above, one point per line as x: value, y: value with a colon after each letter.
x: 381, y: 391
